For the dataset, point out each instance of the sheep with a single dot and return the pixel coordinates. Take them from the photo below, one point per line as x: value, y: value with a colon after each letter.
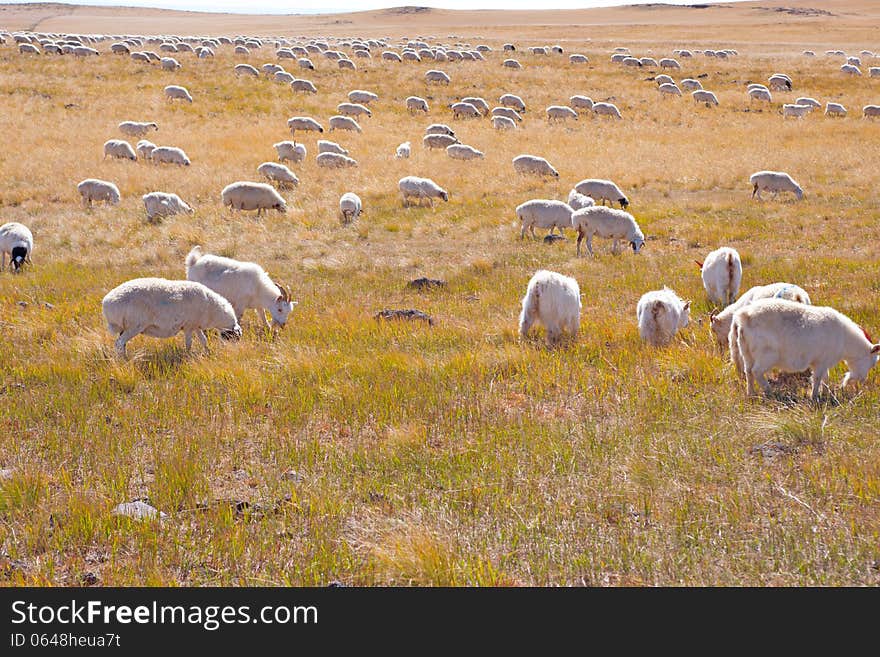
x: 720, y: 321
x: 609, y: 223
x: 278, y: 173
x: 288, y: 150
x: 161, y: 308
x: 560, y: 113
x: 503, y: 123
x: 849, y: 69
x: 305, y: 63
x: 362, y: 97
x: 169, y: 155
x: 244, y: 284
x: 870, y: 111
x: 325, y: 146
x: 631, y: 62
x: 576, y: 200
x: 721, y: 272
x: 169, y: 64
x: 663, y: 79
x: 669, y: 89
x: 85, y: 51
x: 353, y: 109
x: 464, y: 110
x: 835, y: 109
x: 420, y: 188
x: 510, y: 100
x: 344, y: 63
x: 145, y: 148
x: 463, y: 152
x: 270, y: 70
x: 703, y: 96
x: 668, y: 62
x: 439, y: 129
x: 581, y: 102
x: 606, y: 109
x: 577, y: 58
x: 120, y: 149
x: 436, y: 76
x: 806, y: 100
x: 796, y: 111
x: 511, y: 63
x: 438, y: 141
x: 243, y: 195
x: 603, y: 190
x: 303, y: 85
x: 506, y: 112
x: 779, y: 82
x: 164, y: 204
x: 874, y: 72
x: 137, y: 128
x: 788, y: 336
x: 334, y: 161
x: 350, y: 207
x: 554, y: 301
x: 390, y: 56
x: 774, y: 181
x: 175, y: 92
x: 303, y: 123
x: 17, y: 240
x: 340, y: 122
x: 760, y: 93
x: 543, y: 213
x: 689, y: 84
x: 403, y: 151
x: 533, y: 164
x: 92, y: 189
x: 660, y: 315
x: 416, y: 104
x: 28, y: 49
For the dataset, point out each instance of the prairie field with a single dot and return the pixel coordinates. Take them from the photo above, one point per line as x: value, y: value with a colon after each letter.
x: 345, y: 449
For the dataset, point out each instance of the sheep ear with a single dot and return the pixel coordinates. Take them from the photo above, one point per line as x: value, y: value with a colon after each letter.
x: 687, y: 305
x: 875, y: 349
x: 699, y: 264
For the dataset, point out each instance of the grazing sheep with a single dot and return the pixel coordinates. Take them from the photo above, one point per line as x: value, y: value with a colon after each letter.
x: 560, y: 113
x: 510, y: 100
x: 668, y: 62
x: 533, y: 164
x: 120, y: 149
x: 416, y: 104
x: 175, y: 92
x: 361, y: 96
x: 28, y: 49
x: 303, y: 123
x: 464, y: 110
x: 303, y: 85
x: 581, y: 103
x: 503, y: 123
x: 169, y: 155
x: 270, y: 70
x: 796, y: 111
x: 689, y: 84
x: 554, y: 301
x: 577, y: 58
x: 608, y: 223
x: 350, y: 207
x: 289, y: 150
x: 543, y: 213
x: 438, y: 141
x: 169, y: 64
x: 244, y: 284
x: 779, y: 82
x: 703, y: 96
x: 721, y: 272
x: 145, y: 149
x: 245, y: 195
x: 849, y: 69
x: 403, y: 151
x: 347, y: 64
x: 164, y: 204
x: 806, y: 100
x: 463, y: 152
x: 278, y: 173
x: 792, y: 337
x: 305, y: 63
x: 511, y: 63
x: 334, y: 161
x: 874, y: 72
x: 161, y: 309
x: 439, y: 129
x: 660, y: 315
x: 721, y: 321
x: 340, y: 122
x: 17, y: 240
x: 760, y: 93
x: 669, y: 89
x: 137, y: 128
x: 353, y: 109
x: 507, y: 113
x: 835, y: 109
x: 576, y: 200
x: 774, y: 181
x: 325, y: 146
x: 92, y: 189
x: 420, y: 188
x: 869, y: 111
x: 437, y: 76
x: 663, y: 79
x: 603, y: 190
x: 606, y: 109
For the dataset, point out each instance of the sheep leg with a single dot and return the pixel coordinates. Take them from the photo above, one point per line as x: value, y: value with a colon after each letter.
x: 123, y: 339
x: 3, y: 265
x: 580, y: 239
x: 614, y: 247
x: 755, y: 191
x: 532, y: 230
x: 775, y: 194
x: 200, y: 334
x: 188, y: 340
x: 262, y: 314
x: 818, y: 377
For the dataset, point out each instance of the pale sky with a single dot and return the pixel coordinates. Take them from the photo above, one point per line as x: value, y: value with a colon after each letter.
x: 327, y: 6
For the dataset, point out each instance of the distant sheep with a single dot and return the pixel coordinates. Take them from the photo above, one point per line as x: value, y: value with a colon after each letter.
x: 361, y: 96
x: 438, y: 141
x: 169, y: 64
x: 145, y: 148
x: 543, y: 213
x: 463, y: 152
x: 340, y: 122
x: 288, y: 150
x: 835, y: 109
x: 660, y: 315
x: 169, y: 155
x: 403, y: 151
x: 464, y: 110
x: 604, y: 190
x: 607, y: 223
x: 720, y: 321
x: 137, y: 128
x: 849, y: 69
x: 503, y: 123
x: 560, y: 113
x: 760, y: 93
x: 532, y: 164
x: 796, y: 111
x: 350, y: 207
x: 334, y: 161
x: 511, y: 63
x: 669, y: 89
x: 437, y: 76
x: 92, y: 189
x: 703, y: 96
x: 689, y: 84
x: 278, y: 173
x: 325, y: 146
x: 175, y: 92
x: 774, y: 181
x: 303, y: 85
x: 416, y: 104
x: 806, y: 100
x: 511, y: 100
x: 507, y: 113
x: 164, y: 204
x: 420, y: 188
x: 554, y: 301
x: 352, y: 109
x: 721, y: 272
x: 869, y: 111
x: 120, y: 149
x: 245, y: 195
x: 439, y: 129
x: 578, y: 201
x: 581, y: 103
x: 303, y: 123
x: 668, y: 62
x: 17, y: 240
x: 606, y: 109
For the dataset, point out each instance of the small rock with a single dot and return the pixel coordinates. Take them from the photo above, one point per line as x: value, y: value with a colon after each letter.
x: 89, y: 579
x: 425, y: 284
x: 6, y: 473
x: 138, y: 510
x: 552, y: 239
x: 292, y: 475
x: 48, y: 306
x: 22, y: 304
x: 335, y: 584
x: 408, y: 314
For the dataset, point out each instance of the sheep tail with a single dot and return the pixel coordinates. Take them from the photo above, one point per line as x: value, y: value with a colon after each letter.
x: 733, y: 342
x: 729, y: 295
x: 193, y: 257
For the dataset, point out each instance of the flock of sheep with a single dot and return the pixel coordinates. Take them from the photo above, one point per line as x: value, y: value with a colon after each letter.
x: 769, y: 327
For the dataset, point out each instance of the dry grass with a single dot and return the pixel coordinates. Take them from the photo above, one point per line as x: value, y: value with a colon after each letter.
x: 445, y: 455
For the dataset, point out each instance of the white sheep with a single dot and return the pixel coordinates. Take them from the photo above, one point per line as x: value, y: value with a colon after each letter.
x: 849, y: 69
x: 164, y: 204
x: 795, y: 110
x: 361, y: 96
x: 835, y: 109
x: 350, y: 207
x: 403, y: 151
x: 779, y: 82
x: 305, y: 63
x: 464, y: 110
x: 690, y: 84
x: 606, y: 109
x: 560, y: 113
x: 137, y: 128
x: 416, y: 104
x: 334, y: 161
x: 507, y: 113
x: 420, y: 188
x: 480, y: 103
x: 760, y: 93
x: 438, y: 141
x: 669, y: 89
x: 439, y: 129
x: 303, y: 123
x: 340, y: 122
x: 246, y: 69
x: 792, y: 337
x: 437, y: 76
x: 278, y: 173
x: 660, y: 315
x: 463, y: 152
x: 325, y: 146
x: 289, y: 150
x: 663, y: 79
x: 511, y: 100
x: 92, y: 189
x: 244, y: 284
x: 577, y: 58
x: 543, y: 213
x: 120, y: 149
x: 721, y: 272
x: 604, y: 190
x: 774, y: 181
x: 303, y: 85
x: 703, y: 96
x: 869, y: 111
x: 17, y: 240
x: 720, y: 321
x: 169, y: 155
x: 668, y: 62
x: 532, y: 164
x: 244, y: 195
x: 554, y: 301
x: 576, y: 200
x: 511, y: 63
x: 806, y: 100
x: 874, y: 72
x: 581, y: 103
x: 169, y: 64
x: 503, y: 123
x: 175, y: 92
x: 608, y: 223
x: 161, y: 309
x: 353, y: 109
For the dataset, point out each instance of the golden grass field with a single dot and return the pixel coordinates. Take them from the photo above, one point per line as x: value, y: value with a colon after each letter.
x: 455, y: 454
